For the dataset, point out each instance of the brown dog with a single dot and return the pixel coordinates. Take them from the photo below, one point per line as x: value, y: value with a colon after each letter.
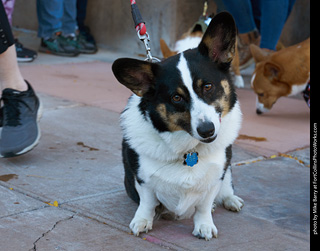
x: 281, y: 73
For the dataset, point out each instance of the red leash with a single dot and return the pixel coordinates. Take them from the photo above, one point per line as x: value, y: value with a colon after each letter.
x: 142, y: 30
x: 138, y: 21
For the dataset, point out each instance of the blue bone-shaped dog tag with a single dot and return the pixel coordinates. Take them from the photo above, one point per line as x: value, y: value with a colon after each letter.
x: 191, y: 159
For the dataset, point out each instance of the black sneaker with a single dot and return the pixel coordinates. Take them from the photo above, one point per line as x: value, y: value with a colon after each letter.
x: 59, y: 45
x: 20, y: 130
x: 86, y: 42
x: 24, y: 54
x: 85, y: 46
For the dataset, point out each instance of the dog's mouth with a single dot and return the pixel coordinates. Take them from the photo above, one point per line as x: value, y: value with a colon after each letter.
x: 261, y: 108
x: 209, y: 140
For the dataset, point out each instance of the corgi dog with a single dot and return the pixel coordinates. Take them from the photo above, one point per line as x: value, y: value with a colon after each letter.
x: 277, y: 74
x: 178, y: 129
x: 191, y: 39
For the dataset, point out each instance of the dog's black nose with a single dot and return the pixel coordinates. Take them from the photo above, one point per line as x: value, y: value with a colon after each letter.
x: 206, y: 130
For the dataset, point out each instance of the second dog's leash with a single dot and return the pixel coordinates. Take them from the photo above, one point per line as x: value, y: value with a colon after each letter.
x: 142, y: 31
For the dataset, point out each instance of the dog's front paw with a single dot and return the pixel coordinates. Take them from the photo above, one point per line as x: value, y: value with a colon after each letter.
x: 205, y: 231
x: 233, y: 203
x: 139, y: 225
x: 238, y: 81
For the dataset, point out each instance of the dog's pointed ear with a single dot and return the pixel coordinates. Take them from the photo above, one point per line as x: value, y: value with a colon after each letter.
x: 218, y: 43
x: 166, y: 52
x: 135, y: 74
x: 272, y: 71
x: 258, y: 54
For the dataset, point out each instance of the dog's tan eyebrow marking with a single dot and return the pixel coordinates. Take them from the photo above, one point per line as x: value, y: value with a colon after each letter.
x: 199, y: 83
x: 181, y: 92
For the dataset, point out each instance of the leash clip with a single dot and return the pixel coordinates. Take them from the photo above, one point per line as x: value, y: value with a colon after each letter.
x: 145, y: 38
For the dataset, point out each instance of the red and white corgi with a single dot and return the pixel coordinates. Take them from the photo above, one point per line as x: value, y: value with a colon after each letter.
x: 282, y: 73
x: 178, y: 129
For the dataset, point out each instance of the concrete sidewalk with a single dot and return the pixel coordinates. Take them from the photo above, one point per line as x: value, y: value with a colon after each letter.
x: 68, y: 193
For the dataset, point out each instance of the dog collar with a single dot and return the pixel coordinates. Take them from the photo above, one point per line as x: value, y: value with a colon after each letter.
x: 191, y: 159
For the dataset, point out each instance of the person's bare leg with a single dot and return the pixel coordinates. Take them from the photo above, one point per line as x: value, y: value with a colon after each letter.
x: 10, y: 75
x: 19, y: 104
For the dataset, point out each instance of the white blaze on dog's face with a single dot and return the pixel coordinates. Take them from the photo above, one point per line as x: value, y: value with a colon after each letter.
x: 205, y: 119
x: 191, y: 91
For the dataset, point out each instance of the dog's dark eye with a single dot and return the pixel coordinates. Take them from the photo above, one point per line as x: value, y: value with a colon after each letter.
x: 176, y: 98
x: 260, y: 94
x: 207, y: 87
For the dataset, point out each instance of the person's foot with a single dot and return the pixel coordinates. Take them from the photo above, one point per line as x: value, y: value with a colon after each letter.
x: 59, y: 45
x: 20, y: 129
x: 86, y: 42
x: 244, y: 42
x: 24, y: 54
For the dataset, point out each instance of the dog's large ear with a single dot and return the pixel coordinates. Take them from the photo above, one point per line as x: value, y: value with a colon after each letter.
x: 258, y: 54
x: 135, y: 74
x: 166, y: 52
x: 272, y: 71
x: 218, y: 43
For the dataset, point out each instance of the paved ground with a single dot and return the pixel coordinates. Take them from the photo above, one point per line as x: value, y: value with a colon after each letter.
x: 68, y: 193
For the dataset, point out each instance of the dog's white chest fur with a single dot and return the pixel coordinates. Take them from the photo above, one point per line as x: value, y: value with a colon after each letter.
x: 180, y: 187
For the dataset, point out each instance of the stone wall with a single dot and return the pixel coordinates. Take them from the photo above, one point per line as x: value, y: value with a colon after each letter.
x: 113, y: 28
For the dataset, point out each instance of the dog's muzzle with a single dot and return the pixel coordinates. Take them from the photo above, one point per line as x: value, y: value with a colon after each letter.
x: 260, y: 108
x: 206, y: 131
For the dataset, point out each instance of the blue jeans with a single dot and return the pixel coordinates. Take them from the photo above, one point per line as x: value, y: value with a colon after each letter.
x: 268, y: 16
x: 81, y: 13
x: 56, y: 15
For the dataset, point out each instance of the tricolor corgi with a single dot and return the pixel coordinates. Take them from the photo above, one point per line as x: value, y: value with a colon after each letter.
x: 178, y: 129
